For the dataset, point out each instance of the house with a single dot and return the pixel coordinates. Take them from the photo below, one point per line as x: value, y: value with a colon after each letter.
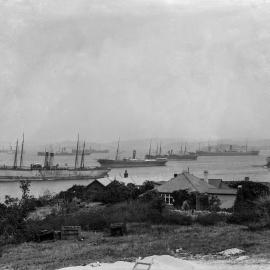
x: 189, y: 182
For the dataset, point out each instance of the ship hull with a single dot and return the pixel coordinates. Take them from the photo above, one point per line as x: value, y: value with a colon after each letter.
x: 228, y: 153
x: 182, y: 157
x: 63, y: 154
x: 131, y: 163
x: 7, y: 174
x: 174, y: 157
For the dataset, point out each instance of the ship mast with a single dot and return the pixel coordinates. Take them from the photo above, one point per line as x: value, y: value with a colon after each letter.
x: 21, y: 158
x: 15, y: 156
x: 150, y: 146
x: 117, y: 151
x: 160, y: 149
x: 82, y: 158
x: 77, y: 150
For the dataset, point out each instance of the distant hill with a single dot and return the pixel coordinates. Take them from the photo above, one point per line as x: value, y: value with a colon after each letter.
x: 141, y: 145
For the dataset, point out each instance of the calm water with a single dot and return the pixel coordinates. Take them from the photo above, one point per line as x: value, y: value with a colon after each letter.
x: 226, y: 168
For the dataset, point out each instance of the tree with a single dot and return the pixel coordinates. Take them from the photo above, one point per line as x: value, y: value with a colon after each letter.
x: 25, y: 188
x: 179, y: 197
x: 248, y: 192
x: 147, y: 185
x: 115, y: 192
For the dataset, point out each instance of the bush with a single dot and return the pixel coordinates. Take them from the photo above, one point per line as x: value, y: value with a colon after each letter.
x: 210, y: 219
x: 99, y: 218
x: 248, y: 194
x: 173, y: 217
x: 243, y: 217
x: 179, y: 197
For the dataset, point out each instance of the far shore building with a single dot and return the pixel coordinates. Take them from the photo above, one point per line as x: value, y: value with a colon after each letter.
x: 189, y: 182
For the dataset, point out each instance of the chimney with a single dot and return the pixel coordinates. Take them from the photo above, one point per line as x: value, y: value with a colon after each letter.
x: 205, y: 174
x: 46, y: 160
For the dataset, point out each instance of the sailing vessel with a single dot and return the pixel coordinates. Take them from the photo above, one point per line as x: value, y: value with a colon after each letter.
x: 64, y: 152
x: 49, y: 171
x: 96, y: 151
x: 220, y: 151
x: 180, y: 156
x: 7, y: 151
x: 131, y: 162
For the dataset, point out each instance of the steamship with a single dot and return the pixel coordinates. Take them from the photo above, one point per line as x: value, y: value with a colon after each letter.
x: 48, y: 171
x: 131, y: 162
x: 179, y: 156
x: 227, y: 152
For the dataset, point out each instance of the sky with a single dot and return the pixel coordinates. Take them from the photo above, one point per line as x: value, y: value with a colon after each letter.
x: 134, y: 69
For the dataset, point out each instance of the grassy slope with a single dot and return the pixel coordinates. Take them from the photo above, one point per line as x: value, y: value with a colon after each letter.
x: 142, y: 240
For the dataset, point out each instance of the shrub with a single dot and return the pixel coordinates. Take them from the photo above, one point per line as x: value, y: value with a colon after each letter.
x: 210, y: 219
x: 243, y: 217
x: 173, y: 217
x: 179, y: 197
x: 248, y: 194
x: 13, y: 214
x: 146, y: 186
x: 114, y: 192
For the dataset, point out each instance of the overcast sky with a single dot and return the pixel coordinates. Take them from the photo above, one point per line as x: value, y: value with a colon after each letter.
x: 135, y: 69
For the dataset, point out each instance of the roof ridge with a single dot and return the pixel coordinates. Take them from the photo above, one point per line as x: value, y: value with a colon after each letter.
x: 190, y: 182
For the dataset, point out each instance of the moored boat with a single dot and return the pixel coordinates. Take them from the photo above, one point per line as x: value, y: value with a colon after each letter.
x: 49, y: 171
x: 178, y: 156
x: 131, y: 162
x: 219, y: 151
x: 228, y: 153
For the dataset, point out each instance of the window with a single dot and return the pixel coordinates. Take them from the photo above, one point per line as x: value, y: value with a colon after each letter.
x: 168, y: 198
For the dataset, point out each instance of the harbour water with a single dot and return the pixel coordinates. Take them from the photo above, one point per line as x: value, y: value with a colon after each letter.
x: 226, y: 168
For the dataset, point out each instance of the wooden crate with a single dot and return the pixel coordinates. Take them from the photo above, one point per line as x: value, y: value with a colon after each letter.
x: 70, y: 232
x: 118, y: 229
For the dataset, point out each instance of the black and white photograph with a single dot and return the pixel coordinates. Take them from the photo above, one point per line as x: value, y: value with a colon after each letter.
x: 135, y: 134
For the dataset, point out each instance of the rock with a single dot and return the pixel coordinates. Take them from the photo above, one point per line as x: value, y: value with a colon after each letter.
x: 241, y: 258
x: 231, y: 252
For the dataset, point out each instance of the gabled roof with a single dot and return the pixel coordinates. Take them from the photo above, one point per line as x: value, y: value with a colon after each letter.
x: 191, y: 183
x: 185, y: 181
x: 218, y: 183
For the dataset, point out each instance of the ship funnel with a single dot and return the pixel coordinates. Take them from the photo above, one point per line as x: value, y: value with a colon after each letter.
x: 46, y: 160
x: 134, y: 154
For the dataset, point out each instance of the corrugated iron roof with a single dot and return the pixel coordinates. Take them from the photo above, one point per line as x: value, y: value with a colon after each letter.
x: 191, y: 183
x: 185, y: 181
x: 222, y: 191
